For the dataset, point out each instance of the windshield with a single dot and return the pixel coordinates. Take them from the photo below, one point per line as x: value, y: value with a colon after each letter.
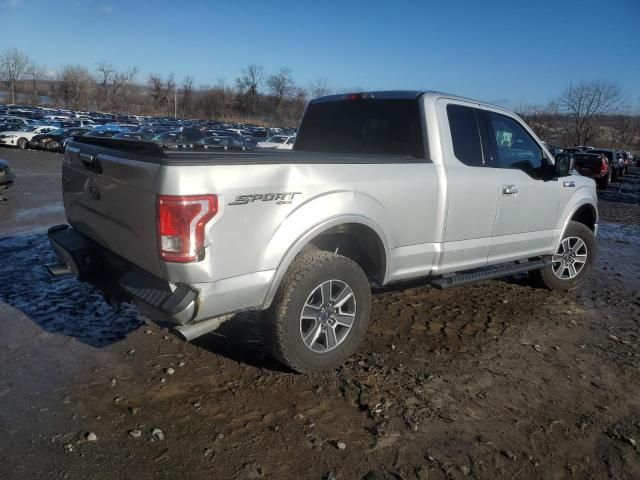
x: 364, y: 126
x: 25, y: 128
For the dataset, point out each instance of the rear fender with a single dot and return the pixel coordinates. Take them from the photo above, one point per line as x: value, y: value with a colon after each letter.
x: 316, y: 216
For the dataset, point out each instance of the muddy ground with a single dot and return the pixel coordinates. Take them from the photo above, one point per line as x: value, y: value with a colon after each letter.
x: 496, y: 380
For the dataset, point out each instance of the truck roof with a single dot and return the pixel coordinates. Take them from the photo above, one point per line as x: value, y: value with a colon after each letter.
x: 400, y: 95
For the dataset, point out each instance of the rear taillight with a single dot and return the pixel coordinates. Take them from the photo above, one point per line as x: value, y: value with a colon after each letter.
x: 181, y: 222
x: 604, y: 167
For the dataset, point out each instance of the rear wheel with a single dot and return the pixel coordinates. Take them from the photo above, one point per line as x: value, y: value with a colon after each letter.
x: 320, y: 313
x: 22, y: 143
x: 572, y: 261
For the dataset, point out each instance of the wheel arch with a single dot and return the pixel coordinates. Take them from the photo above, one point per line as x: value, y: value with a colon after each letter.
x: 354, y: 236
x: 584, y: 211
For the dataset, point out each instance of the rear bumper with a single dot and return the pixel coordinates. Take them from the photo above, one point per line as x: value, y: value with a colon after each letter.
x: 94, y: 264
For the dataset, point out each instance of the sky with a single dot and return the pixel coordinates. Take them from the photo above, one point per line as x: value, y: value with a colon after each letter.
x: 516, y: 52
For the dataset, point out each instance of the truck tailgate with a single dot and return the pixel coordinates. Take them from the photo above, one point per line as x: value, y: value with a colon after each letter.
x: 112, y: 201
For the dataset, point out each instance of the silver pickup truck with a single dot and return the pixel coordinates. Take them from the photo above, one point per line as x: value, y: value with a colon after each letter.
x: 381, y: 188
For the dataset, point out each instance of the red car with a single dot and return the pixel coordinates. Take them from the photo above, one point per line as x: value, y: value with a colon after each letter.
x: 594, y: 165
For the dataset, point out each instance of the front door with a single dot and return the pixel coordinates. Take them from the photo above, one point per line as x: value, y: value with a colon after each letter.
x: 528, y: 201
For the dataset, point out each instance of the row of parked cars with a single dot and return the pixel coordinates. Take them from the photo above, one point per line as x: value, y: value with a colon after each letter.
x: 22, y: 129
x: 604, y: 165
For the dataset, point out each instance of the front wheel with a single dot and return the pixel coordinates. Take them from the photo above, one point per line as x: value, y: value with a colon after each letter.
x: 320, y: 313
x: 22, y: 143
x: 572, y: 261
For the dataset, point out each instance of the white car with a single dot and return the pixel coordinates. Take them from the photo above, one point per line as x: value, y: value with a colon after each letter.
x: 279, y: 142
x: 21, y: 136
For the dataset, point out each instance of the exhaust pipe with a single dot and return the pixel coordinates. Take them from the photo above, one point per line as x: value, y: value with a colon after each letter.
x: 58, y: 269
x: 190, y: 332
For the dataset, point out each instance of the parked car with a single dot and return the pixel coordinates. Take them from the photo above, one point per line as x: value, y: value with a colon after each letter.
x: 372, y: 201
x: 7, y: 179
x: 13, y: 120
x: 279, y: 142
x: 56, y: 140
x: 225, y: 143
x: 135, y: 135
x: 178, y: 138
x: 594, y: 165
x: 21, y: 136
x: 615, y: 160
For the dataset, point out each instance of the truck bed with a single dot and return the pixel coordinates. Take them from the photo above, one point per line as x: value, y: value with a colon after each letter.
x: 151, y: 152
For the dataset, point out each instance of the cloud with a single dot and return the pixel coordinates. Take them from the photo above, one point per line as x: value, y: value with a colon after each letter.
x: 105, y: 9
x: 13, y: 3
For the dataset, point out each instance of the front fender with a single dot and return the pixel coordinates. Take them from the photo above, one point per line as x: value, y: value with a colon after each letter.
x: 316, y: 216
x: 583, y: 195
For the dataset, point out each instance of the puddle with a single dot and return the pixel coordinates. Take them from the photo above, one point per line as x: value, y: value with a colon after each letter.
x: 59, y: 305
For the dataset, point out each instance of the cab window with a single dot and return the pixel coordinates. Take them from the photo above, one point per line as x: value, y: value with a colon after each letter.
x: 515, y: 148
x: 465, y: 135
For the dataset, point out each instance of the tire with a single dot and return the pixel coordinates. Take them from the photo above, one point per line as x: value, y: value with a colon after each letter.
x: 313, y: 277
x: 614, y: 175
x: 22, y: 143
x: 549, y: 278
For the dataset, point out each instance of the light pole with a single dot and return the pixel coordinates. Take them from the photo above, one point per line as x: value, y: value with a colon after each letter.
x: 175, y: 103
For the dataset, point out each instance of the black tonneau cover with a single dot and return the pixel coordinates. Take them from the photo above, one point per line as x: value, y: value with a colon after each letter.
x: 151, y: 152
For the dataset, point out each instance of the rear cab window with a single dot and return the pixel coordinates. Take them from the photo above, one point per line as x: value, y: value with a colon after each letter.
x: 363, y: 126
x: 465, y: 135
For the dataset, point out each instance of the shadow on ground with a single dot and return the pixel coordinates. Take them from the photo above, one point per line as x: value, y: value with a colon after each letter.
x: 76, y: 309
x: 63, y: 305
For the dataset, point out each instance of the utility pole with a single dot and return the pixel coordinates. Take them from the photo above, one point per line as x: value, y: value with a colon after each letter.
x: 175, y: 103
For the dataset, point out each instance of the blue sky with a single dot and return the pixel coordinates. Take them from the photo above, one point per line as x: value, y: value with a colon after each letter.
x: 509, y: 52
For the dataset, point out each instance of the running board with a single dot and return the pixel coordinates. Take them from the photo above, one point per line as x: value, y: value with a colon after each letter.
x: 503, y: 270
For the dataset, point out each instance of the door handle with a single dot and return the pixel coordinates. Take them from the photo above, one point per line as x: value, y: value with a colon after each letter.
x: 509, y: 189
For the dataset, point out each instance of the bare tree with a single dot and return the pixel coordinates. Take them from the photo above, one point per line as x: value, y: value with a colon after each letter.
x: 280, y: 86
x: 171, y: 92
x: 623, y: 129
x: 248, y: 83
x: 187, y: 96
x: 13, y: 65
x: 75, y: 83
x: 127, y: 82
x: 156, y: 86
x: 318, y: 88
x: 105, y: 78
x: 582, y: 104
x: 36, y: 74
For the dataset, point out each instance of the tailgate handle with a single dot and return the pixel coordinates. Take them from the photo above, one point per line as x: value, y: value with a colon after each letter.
x: 90, y: 162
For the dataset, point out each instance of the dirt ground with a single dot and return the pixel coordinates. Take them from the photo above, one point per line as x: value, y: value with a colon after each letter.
x: 493, y: 381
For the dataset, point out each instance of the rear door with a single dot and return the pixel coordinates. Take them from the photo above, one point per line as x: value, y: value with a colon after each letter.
x: 528, y: 201
x: 112, y: 201
x: 472, y: 188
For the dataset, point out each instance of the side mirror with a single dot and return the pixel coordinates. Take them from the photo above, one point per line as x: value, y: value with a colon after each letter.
x: 564, y: 165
